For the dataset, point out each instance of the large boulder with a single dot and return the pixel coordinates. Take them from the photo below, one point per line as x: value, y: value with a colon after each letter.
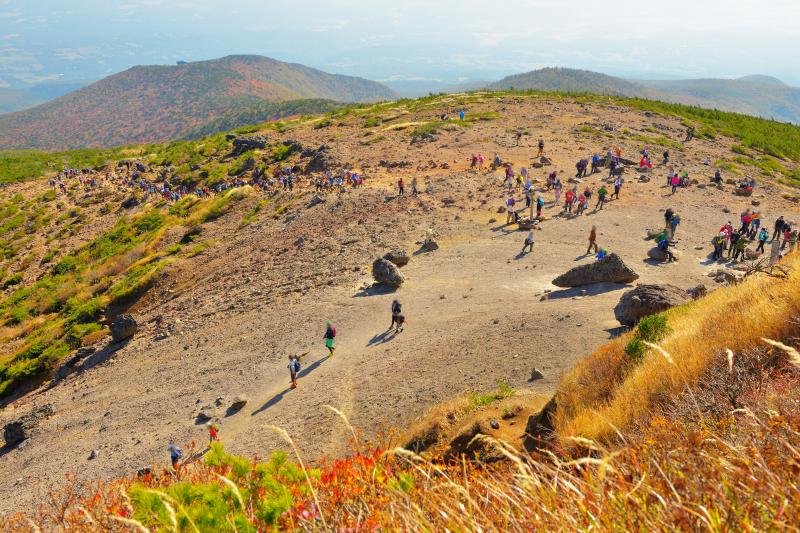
x: 429, y: 245
x: 657, y: 254
x: 386, y: 273
x: 609, y: 269
x: 123, y: 327
x: 130, y: 202
x: 320, y: 159
x: 18, y: 430
x: 398, y: 257
x: 646, y: 300
x: 244, y: 144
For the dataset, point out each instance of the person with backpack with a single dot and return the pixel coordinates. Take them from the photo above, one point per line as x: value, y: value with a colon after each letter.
x: 397, y: 308
x: 583, y: 203
x: 595, y: 163
x: 617, y: 187
x: 569, y: 199
x: 673, y: 225
x: 778, y: 227
x: 601, y: 198
x: 539, y: 206
x: 330, y: 335
x: 175, y: 455
x: 213, y: 431
x: 510, y: 213
x: 741, y: 244
x: 541, y: 148
x: 294, y: 370
x: 663, y: 245
x: 666, y: 157
x: 529, y: 241
x: 763, y: 237
x: 675, y: 181
x: 719, y: 246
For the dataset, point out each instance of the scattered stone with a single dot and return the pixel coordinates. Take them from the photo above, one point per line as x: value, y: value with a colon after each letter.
x: 123, y: 327
x: 315, y: 200
x: 755, y: 203
x: 644, y: 179
x: 494, y: 424
x: 206, y: 412
x: 492, y: 220
x: 398, y: 257
x: 610, y: 269
x: 144, y: 471
x: 93, y: 454
x: 697, y: 292
x: 536, y: 374
x: 658, y: 254
x: 647, y: 300
x: 239, y: 401
x: 726, y: 210
x: 386, y: 273
x: 726, y: 276
x: 21, y: 429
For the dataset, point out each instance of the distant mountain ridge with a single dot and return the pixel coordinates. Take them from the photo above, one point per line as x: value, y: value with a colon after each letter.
x: 158, y: 103
x: 759, y: 95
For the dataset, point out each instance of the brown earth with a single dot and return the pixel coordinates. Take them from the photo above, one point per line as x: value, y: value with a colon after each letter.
x: 474, y: 311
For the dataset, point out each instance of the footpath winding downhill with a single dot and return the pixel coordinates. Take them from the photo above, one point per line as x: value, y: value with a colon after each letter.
x: 474, y: 310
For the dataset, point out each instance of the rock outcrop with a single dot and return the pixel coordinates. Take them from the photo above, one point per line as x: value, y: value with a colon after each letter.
x: 16, y: 431
x: 246, y: 143
x: 123, y: 327
x: 398, y: 257
x: 386, y: 273
x: 646, y: 300
x: 610, y: 269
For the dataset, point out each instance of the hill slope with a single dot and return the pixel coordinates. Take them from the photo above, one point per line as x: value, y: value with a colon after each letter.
x: 762, y: 96
x: 158, y: 103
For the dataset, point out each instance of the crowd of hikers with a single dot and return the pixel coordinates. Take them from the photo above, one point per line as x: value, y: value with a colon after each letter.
x: 526, y: 200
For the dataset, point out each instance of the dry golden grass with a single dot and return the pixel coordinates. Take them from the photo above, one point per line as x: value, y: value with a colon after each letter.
x: 605, y: 393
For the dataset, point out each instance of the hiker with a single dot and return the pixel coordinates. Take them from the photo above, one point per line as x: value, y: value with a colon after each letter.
x: 763, y: 237
x: 557, y: 188
x: 541, y: 148
x: 719, y: 246
x: 175, y: 455
x: 330, y: 335
x: 583, y: 203
x: 741, y: 244
x: 397, y: 308
x: 539, y: 206
x: 717, y: 177
x: 592, y: 240
x: 666, y: 158
x: 400, y: 320
x: 528, y: 242
x: 510, y: 213
x: 601, y: 198
x: 778, y: 227
x: 734, y: 239
x: 664, y: 245
x: 689, y: 134
x: 518, y: 136
x: 213, y: 431
x: 595, y: 163
x: 414, y: 190
x: 745, y: 218
x: 601, y: 254
x: 612, y: 168
x: 675, y: 181
x: 496, y: 162
x: 581, y: 167
x: 401, y: 186
x: 617, y: 187
x: 787, y: 235
x: 294, y: 369
x: 569, y: 199
x: 461, y: 115
x: 673, y: 225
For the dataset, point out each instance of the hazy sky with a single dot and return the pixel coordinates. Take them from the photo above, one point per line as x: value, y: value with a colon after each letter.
x: 447, y: 40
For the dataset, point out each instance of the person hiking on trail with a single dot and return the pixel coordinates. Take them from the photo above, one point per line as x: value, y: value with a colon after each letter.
x: 755, y: 223
x: 496, y: 162
x: 330, y: 335
x: 617, y: 187
x: 734, y: 239
x: 557, y: 188
x: 787, y: 235
x: 400, y: 320
x: 518, y: 136
x: 763, y: 237
x: 581, y: 168
x: 673, y: 225
x: 601, y: 198
x: 595, y: 163
x: 592, y: 240
x: 461, y: 115
x: 717, y: 177
x: 401, y: 186
x: 612, y: 168
x: 778, y: 227
x: 666, y: 157
x: 719, y: 246
x: 509, y: 177
x: 175, y: 455
x: 675, y: 181
x: 689, y: 134
x: 745, y: 218
x: 510, y: 213
x: 569, y: 199
x: 294, y: 370
x: 663, y: 245
x: 529, y: 240
x: 539, y: 206
x: 213, y: 431
x: 583, y: 203
x: 541, y: 148
x: 397, y: 308
x: 414, y: 190
x: 601, y: 254
x: 741, y: 244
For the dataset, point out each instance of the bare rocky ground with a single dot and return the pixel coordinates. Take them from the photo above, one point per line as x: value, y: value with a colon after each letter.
x: 224, y: 322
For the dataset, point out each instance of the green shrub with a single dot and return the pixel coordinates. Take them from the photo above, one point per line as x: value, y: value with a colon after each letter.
x: 15, y: 279
x: 479, y: 400
x: 78, y: 331
x: 653, y: 328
